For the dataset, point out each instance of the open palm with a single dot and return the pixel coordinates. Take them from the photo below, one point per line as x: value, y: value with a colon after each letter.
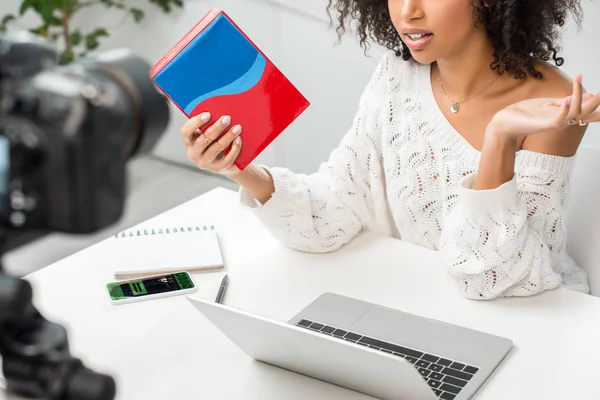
x: 540, y: 115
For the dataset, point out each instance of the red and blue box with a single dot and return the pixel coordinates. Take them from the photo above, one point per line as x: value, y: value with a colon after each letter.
x: 215, y: 67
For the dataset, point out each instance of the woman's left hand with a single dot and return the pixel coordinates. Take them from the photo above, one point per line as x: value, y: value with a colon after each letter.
x: 541, y: 115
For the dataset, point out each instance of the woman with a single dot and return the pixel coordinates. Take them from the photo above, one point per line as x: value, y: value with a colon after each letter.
x: 463, y: 141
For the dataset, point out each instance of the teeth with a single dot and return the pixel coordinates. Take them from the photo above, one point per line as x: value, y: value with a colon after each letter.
x: 416, y: 36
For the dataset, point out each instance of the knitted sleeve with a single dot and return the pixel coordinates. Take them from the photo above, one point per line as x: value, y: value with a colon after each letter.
x: 504, y: 242
x: 322, y: 211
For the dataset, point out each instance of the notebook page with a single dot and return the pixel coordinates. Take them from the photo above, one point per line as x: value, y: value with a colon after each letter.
x: 178, y: 251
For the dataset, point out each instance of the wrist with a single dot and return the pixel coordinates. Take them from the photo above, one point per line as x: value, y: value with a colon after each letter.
x: 497, y: 162
x: 241, y: 174
x: 257, y: 181
x: 251, y: 174
x: 498, y: 137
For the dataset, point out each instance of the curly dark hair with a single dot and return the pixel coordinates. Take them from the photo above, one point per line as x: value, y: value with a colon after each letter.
x: 521, y: 31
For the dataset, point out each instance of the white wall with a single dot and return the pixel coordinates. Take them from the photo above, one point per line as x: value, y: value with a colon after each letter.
x: 581, y: 51
x: 296, y: 36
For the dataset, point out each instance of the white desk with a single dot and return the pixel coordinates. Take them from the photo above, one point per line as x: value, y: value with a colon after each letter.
x: 165, y: 349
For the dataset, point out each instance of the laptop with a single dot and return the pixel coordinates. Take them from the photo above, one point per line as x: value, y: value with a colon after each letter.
x: 368, y: 348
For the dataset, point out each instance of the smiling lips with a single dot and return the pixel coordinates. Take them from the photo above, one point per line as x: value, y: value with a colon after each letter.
x: 416, y: 39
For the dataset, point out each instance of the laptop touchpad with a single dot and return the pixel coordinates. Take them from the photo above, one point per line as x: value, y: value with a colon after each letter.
x: 418, y: 333
x: 334, y: 310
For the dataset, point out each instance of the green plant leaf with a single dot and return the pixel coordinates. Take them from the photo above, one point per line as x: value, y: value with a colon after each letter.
x: 48, y: 10
x: 26, y: 5
x: 40, y: 31
x: 66, y: 57
x: 113, y: 3
x: 91, y: 42
x: 101, y: 32
x: 137, y: 14
x: 53, y: 21
x: 91, y: 39
x: 5, y: 21
x: 167, y: 5
x: 65, y: 4
x: 76, y: 37
x: 8, y: 18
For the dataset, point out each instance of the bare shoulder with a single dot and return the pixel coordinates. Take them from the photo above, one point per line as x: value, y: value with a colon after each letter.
x: 555, y: 82
x: 564, y: 142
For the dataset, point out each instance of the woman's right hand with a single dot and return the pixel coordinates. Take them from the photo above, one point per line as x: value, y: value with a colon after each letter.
x: 206, y: 147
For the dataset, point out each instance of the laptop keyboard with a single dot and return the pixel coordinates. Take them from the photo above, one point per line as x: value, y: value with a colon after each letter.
x: 445, y: 377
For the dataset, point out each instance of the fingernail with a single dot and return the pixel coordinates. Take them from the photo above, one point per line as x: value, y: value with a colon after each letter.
x: 238, y: 140
x: 568, y: 101
x: 205, y: 116
x: 579, y: 79
x: 236, y: 130
x: 226, y: 120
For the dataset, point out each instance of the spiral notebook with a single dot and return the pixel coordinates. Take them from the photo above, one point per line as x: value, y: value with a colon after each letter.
x: 158, y: 250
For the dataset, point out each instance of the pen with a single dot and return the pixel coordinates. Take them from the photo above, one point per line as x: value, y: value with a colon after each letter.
x: 222, y: 289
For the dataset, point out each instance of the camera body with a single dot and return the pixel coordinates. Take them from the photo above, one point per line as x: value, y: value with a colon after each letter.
x: 68, y: 162
x: 68, y: 132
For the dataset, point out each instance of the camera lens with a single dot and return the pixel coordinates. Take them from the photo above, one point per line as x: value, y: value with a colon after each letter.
x: 86, y: 384
x: 15, y: 297
x: 150, y: 107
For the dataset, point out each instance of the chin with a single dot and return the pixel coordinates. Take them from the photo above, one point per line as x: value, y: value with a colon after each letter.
x: 424, y: 56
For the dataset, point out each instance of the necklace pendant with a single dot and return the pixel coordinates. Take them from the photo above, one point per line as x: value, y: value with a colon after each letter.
x: 454, y: 108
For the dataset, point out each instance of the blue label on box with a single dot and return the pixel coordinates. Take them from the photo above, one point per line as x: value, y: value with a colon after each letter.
x: 219, y: 61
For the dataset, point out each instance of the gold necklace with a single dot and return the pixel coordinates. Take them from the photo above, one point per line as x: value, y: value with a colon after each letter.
x: 455, y: 106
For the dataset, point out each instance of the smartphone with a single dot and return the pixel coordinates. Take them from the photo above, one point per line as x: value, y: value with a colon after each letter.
x: 152, y: 287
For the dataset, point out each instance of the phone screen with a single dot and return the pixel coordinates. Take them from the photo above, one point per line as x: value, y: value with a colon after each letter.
x: 148, y: 286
